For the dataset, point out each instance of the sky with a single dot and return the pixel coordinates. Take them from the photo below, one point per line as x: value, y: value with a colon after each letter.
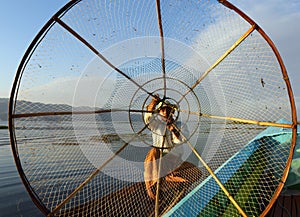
x: 21, y: 20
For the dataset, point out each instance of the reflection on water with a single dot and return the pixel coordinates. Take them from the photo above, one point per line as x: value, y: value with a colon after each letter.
x: 14, y: 199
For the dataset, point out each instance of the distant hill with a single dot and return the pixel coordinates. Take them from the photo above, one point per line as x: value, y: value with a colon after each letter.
x: 30, y: 107
x: 33, y: 107
x: 3, y: 109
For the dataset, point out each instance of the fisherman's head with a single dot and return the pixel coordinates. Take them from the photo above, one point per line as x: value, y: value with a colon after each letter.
x: 166, y: 109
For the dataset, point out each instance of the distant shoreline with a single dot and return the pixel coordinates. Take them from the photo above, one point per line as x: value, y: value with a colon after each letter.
x: 3, y: 127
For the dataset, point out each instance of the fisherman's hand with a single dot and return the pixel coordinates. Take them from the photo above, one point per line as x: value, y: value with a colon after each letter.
x: 174, y: 130
x: 155, y: 98
x: 153, y: 103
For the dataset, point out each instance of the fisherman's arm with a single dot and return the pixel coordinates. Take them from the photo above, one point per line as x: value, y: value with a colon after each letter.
x: 179, y: 134
x: 150, y: 108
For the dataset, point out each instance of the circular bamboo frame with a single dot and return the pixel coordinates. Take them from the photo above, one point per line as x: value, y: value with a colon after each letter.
x: 56, y: 19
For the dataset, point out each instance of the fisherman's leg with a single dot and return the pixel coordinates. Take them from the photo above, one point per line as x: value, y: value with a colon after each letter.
x: 188, y: 172
x: 151, y: 171
x: 172, y: 163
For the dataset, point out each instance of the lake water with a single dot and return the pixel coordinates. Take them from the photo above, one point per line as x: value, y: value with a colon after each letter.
x: 14, y: 199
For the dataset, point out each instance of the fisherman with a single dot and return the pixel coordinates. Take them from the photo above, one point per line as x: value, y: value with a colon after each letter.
x: 165, y: 156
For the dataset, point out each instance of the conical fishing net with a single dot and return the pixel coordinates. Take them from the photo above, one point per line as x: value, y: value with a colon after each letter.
x: 87, y: 131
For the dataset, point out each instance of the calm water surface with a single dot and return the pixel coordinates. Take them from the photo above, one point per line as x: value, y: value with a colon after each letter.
x: 14, y: 199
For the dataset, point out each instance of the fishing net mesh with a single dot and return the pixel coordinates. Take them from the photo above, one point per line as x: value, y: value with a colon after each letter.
x: 80, y: 104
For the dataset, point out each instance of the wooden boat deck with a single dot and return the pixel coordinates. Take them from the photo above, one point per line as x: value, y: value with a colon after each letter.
x: 286, y: 205
x: 134, y: 200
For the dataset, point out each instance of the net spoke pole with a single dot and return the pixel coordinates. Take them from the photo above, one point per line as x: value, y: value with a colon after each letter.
x: 101, y: 111
x: 237, y: 206
x: 162, y: 45
x: 234, y: 46
x: 94, y: 50
x: 241, y: 120
x: 156, y: 208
